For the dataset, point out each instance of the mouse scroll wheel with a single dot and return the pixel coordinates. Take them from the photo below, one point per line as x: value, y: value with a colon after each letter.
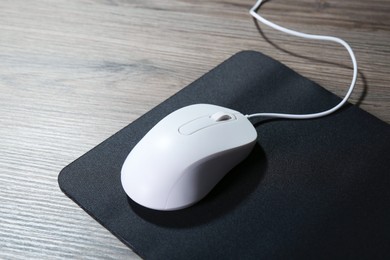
x: 221, y: 116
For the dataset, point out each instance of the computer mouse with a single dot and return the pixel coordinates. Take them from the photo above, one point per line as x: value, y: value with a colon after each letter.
x: 180, y: 160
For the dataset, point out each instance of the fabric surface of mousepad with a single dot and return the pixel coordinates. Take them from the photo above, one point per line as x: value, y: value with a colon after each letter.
x: 310, y: 189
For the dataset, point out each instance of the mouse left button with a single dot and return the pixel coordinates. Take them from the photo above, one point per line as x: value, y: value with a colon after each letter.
x: 195, y: 125
x: 204, y: 122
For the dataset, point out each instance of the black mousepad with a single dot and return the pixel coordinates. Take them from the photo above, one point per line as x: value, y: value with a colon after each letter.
x: 310, y: 189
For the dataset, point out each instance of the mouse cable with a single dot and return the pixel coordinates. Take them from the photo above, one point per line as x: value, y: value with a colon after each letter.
x: 255, y: 15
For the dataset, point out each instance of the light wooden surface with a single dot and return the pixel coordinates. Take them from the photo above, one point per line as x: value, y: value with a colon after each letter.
x: 72, y: 73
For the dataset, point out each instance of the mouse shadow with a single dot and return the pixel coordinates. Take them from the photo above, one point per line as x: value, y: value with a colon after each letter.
x: 228, y: 194
x: 361, y: 76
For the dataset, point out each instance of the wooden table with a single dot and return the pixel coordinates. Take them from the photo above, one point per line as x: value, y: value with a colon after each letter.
x: 72, y: 73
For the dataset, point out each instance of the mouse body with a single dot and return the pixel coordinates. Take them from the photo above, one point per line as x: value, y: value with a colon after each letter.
x: 185, y: 155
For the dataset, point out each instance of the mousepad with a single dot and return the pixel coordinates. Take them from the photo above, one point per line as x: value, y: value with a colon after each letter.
x: 310, y: 189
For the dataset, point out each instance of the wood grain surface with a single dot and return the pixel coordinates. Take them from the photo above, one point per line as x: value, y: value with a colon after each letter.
x: 72, y: 73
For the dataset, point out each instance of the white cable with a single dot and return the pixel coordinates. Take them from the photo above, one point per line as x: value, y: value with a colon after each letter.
x: 254, y: 13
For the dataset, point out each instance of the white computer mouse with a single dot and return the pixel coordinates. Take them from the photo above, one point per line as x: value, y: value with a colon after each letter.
x: 185, y: 155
